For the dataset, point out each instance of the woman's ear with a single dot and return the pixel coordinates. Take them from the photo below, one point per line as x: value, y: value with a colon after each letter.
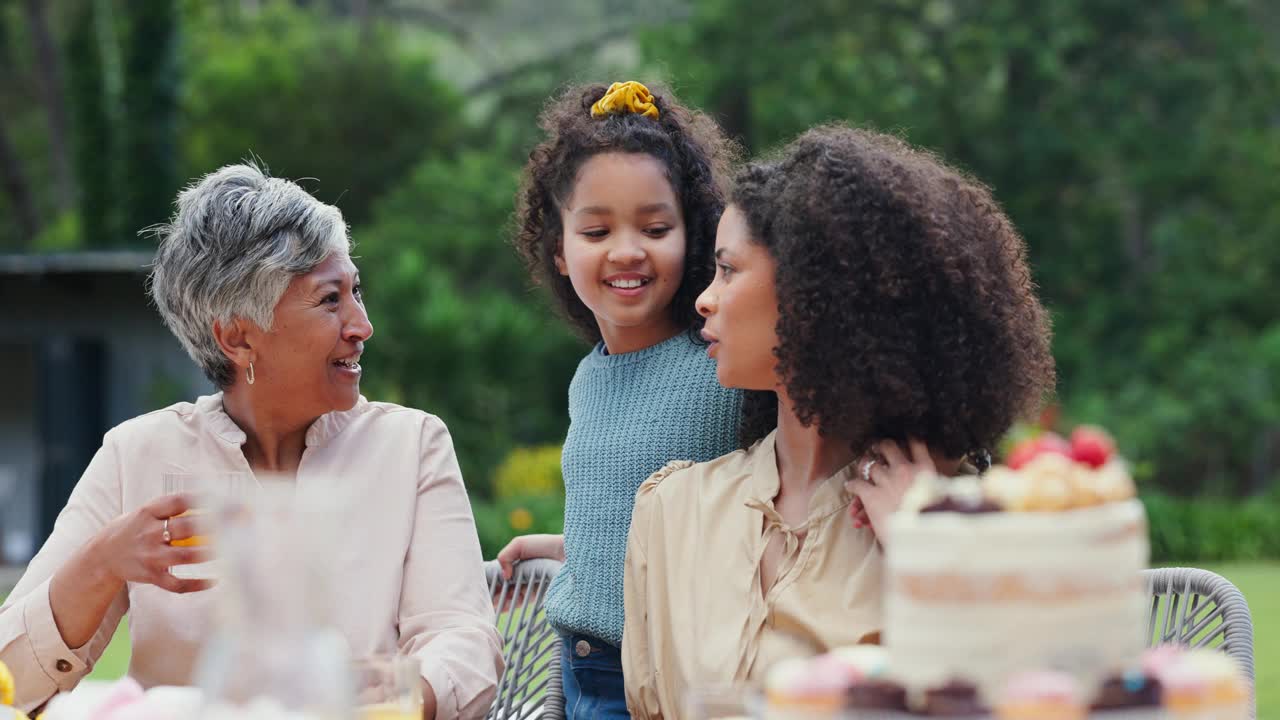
x: 237, y: 339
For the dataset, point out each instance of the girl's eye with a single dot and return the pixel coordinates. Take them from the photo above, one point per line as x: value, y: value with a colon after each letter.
x: 658, y: 231
x: 597, y: 234
x: 725, y: 270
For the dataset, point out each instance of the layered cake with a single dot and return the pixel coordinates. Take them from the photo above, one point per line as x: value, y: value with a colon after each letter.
x: 1035, y: 566
x: 1017, y: 596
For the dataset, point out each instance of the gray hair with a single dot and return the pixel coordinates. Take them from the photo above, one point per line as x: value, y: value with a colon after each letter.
x: 237, y: 239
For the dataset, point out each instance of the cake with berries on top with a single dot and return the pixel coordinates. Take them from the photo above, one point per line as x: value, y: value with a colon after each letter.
x: 1038, y: 564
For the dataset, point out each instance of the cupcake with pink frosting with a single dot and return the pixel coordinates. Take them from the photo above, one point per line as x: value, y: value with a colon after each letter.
x: 1041, y: 695
x: 815, y: 688
x: 1201, y: 684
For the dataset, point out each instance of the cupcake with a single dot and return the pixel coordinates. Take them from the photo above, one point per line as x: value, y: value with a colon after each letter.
x: 1133, y: 691
x: 954, y: 699
x: 864, y: 662
x: 1160, y: 658
x: 870, y: 697
x: 1205, y: 683
x: 799, y: 688
x: 1044, y: 695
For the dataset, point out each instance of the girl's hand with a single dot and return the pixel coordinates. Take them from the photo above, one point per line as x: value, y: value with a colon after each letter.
x: 527, y: 547
x: 883, y: 478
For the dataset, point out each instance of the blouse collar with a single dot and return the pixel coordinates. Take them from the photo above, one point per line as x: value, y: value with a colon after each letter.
x: 831, y: 496
x: 325, y: 427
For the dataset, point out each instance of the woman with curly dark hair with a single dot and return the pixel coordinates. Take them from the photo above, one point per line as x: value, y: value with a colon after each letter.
x: 880, y: 304
x: 617, y: 217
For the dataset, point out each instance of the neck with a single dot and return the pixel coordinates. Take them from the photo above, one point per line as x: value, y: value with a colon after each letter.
x: 621, y: 340
x: 805, y: 457
x: 275, y: 438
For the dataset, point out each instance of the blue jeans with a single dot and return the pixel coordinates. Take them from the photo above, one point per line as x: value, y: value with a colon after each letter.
x: 591, y: 673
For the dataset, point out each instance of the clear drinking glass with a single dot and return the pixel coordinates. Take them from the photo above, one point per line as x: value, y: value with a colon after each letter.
x: 209, y: 491
x: 274, y: 651
x: 389, y: 687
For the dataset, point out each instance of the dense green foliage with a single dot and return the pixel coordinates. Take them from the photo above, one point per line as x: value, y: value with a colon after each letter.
x: 1136, y: 146
x: 458, y: 331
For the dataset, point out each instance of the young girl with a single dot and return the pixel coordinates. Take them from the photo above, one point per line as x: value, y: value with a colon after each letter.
x: 881, y: 303
x: 618, y: 213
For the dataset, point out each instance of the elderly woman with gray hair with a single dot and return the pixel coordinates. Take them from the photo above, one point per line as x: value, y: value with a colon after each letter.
x: 254, y: 277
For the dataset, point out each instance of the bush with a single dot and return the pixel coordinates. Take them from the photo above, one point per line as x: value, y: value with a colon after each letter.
x: 500, y: 520
x: 531, y: 471
x: 1213, y: 530
x: 528, y: 498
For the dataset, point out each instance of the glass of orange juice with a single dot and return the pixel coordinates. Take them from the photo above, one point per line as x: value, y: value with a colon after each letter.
x: 208, y: 490
x: 389, y: 687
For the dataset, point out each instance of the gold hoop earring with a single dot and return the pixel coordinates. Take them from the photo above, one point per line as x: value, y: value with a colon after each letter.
x: 248, y: 374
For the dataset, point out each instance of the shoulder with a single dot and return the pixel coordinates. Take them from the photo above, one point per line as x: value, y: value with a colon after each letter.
x: 582, y: 375
x: 179, y: 418
x: 679, y: 482
x: 385, y: 417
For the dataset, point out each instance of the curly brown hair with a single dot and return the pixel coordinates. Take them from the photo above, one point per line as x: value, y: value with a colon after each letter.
x: 690, y: 146
x: 906, y: 304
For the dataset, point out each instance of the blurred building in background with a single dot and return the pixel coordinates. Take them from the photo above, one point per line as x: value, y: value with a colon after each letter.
x: 82, y: 351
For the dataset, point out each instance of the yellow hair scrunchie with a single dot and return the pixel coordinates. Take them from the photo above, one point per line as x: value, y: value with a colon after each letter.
x: 625, y: 97
x: 6, y: 685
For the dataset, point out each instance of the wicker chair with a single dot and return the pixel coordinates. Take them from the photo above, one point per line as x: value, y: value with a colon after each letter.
x: 1197, y: 608
x: 530, y: 687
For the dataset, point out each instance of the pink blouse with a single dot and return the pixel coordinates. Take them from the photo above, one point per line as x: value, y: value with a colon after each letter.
x: 410, y: 565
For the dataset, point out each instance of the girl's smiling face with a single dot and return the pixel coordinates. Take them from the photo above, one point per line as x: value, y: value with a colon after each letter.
x: 623, y: 248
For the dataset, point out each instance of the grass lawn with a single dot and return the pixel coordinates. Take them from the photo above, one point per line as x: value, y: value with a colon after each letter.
x: 1260, y: 584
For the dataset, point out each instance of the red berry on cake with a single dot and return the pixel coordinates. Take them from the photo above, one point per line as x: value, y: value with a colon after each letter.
x: 1092, y: 446
x: 1045, y: 443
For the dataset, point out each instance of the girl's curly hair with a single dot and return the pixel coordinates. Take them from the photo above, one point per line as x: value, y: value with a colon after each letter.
x: 690, y: 146
x: 906, y: 304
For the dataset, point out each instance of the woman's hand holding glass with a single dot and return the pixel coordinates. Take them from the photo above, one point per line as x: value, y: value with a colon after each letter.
x: 134, y: 547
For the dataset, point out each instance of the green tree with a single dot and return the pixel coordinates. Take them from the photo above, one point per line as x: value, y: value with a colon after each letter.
x: 458, y: 330
x: 313, y: 97
x: 93, y: 136
x: 1132, y: 144
x: 148, y: 130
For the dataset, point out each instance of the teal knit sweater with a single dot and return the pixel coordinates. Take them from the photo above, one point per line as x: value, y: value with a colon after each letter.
x: 629, y: 415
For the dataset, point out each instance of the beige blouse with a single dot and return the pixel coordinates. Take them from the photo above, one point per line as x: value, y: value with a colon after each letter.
x: 410, y: 568
x: 695, y: 613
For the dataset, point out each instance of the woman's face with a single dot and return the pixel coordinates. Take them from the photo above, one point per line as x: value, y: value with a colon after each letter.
x: 623, y: 248
x: 311, y: 357
x: 741, y: 308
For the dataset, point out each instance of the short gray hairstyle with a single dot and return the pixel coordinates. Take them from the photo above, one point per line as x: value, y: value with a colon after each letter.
x: 237, y: 239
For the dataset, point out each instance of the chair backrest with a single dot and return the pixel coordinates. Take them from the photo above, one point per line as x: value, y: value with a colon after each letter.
x: 530, y: 687
x: 1198, y: 608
